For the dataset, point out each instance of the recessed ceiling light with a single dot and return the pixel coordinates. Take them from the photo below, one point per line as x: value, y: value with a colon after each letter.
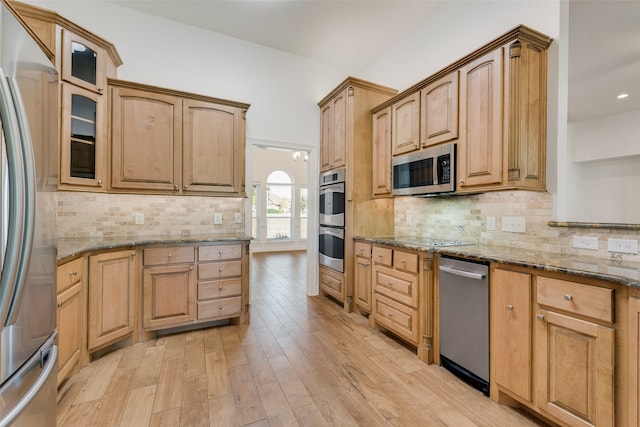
x: 622, y: 96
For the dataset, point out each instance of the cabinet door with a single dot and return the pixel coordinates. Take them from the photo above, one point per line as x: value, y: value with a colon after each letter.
x: 480, y: 141
x: 82, y: 146
x: 362, y: 283
x: 511, y: 317
x: 339, y: 106
x: 575, y: 366
x: 169, y: 296
x: 326, y: 136
x: 634, y: 361
x: 83, y: 63
x: 405, y: 124
x: 146, y: 138
x: 112, y: 280
x: 439, y: 111
x: 213, y: 148
x: 382, y: 153
x: 70, y: 322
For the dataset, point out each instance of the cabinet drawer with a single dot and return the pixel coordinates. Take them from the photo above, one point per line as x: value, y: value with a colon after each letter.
x: 219, y: 288
x: 405, y: 261
x: 219, y: 252
x: 362, y: 249
x: 70, y: 273
x: 397, y: 317
x: 578, y: 298
x: 173, y: 255
x: 332, y: 283
x: 382, y: 255
x: 402, y: 287
x: 218, y: 270
x: 225, y: 307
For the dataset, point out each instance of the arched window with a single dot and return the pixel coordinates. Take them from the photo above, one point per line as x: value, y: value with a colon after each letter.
x: 279, y: 205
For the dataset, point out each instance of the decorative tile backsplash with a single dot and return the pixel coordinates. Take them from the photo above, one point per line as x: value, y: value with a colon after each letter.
x: 466, y: 217
x: 114, y: 215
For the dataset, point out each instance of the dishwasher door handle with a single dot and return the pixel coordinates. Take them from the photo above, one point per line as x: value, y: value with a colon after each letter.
x: 467, y: 274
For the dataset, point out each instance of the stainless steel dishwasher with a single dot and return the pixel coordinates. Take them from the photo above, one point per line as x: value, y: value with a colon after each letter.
x: 464, y: 320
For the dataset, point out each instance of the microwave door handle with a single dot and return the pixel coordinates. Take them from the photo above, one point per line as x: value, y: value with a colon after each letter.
x: 16, y: 202
x: 29, y: 202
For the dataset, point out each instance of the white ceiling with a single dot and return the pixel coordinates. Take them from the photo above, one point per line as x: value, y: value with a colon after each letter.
x: 348, y: 34
x: 604, y: 37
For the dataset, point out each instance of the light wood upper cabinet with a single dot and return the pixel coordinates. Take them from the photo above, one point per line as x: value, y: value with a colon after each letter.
x: 480, y: 146
x: 333, y: 132
x: 405, y: 122
x: 146, y: 136
x: 83, y: 144
x: 171, y: 142
x: 511, y: 337
x: 112, y: 284
x: 381, y: 154
x: 439, y: 111
x: 84, y: 63
x: 213, y: 148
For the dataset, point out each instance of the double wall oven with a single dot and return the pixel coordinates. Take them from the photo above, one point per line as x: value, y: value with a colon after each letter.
x: 332, y: 208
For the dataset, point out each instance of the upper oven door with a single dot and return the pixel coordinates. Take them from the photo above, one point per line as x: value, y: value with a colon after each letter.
x: 332, y: 205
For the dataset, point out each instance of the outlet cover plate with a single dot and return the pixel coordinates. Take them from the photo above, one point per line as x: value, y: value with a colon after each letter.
x: 585, y: 242
x: 139, y: 218
x: 623, y: 246
x: 513, y: 224
x: 217, y: 218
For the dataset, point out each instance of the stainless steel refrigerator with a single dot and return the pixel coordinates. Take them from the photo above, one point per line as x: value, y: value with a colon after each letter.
x: 28, y: 163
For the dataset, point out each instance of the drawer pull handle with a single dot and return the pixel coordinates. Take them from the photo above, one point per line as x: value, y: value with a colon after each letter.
x: 568, y: 297
x: 390, y: 315
x: 403, y: 261
x: 73, y: 273
x: 540, y: 316
x: 509, y: 307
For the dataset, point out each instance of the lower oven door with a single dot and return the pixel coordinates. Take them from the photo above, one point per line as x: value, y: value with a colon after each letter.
x: 331, y: 248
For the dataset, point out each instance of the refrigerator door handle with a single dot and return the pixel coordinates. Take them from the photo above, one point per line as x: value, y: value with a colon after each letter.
x: 29, y: 201
x: 51, y: 357
x: 15, y: 232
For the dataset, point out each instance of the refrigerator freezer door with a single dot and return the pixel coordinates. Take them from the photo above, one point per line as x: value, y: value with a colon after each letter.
x: 28, y: 398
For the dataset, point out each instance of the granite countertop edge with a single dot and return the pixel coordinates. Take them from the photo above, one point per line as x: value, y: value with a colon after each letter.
x: 611, y: 270
x: 70, y: 248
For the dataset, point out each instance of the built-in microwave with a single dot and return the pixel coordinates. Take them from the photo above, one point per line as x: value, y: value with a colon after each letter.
x: 425, y: 172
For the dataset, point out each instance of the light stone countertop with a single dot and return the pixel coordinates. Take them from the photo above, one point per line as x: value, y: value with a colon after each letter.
x: 608, y: 269
x: 69, y: 248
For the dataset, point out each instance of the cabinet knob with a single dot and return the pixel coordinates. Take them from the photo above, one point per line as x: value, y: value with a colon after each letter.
x: 169, y: 256
x: 509, y: 307
x: 540, y: 316
x: 220, y: 288
x: 403, y: 261
x: 568, y: 297
x: 185, y: 186
x: 190, y: 268
x: 461, y: 181
x: 220, y: 252
x: 220, y: 270
x: 390, y: 284
x: 73, y: 273
x: 219, y: 307
x: 175, y: 186
x: 99, y: 182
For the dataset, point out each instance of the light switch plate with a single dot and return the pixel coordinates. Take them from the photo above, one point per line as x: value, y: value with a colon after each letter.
x: 139, y: 218
x: 585, y: 242
x: 238, y: 218
x: 513, y: 224
x: 491, y: 223
x: 217, y: 218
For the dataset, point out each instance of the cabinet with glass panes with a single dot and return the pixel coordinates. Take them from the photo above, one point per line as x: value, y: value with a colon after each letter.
x: 85, y: 66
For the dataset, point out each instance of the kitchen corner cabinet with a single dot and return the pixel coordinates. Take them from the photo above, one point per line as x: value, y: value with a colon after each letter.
x: 170, y: 142
x: 503, y: 116
x: 381, y: 154
x: 553, y: 345
x: 112, y: 286
x: 362, y: 274
x: 71, y: 316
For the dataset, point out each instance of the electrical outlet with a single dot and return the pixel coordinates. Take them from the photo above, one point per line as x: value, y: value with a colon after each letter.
x: 139, y: 218
x: 513, y: 224
x: 622, y: 245
x: 491, y: 223
x: 217, y: 218
x: 238, y: 218
x: 585, y: 242
x: 409, y: 219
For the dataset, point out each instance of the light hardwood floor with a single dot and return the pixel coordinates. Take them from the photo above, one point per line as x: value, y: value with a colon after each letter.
x: 302, y: 361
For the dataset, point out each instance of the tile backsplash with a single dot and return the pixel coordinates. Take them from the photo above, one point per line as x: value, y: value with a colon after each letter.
x: 114, y: 215
x: 466, y: 217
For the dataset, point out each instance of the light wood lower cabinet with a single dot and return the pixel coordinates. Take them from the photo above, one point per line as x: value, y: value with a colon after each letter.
x: 112, y: 284
x: 553, y: 345
x: 634, y: 359
x: 70, y: 316
x: 362, y: 273
x: 332, y: 283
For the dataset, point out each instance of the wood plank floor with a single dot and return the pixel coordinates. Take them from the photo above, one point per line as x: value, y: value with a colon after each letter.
x: 302, y: 361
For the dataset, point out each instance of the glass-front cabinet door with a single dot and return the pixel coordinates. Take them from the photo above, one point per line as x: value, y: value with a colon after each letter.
x: 82, y: 148
x: 83, y: 62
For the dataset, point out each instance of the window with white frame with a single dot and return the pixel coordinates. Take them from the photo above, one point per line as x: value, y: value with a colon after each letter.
x: 255, y: 204
x: 304, y: 193
x: 279, y: 205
